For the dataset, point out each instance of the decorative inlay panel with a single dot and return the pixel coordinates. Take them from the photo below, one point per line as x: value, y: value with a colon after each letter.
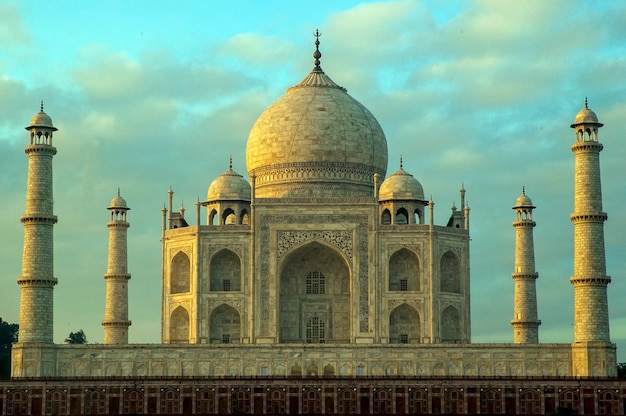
x: 339, y: 239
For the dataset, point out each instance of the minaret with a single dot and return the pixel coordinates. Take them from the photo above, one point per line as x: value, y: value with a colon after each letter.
x: 591, y: 320
x: 116, y: 321
x: 37, y: 280
x: 525, y: 322
x: 593, y: 353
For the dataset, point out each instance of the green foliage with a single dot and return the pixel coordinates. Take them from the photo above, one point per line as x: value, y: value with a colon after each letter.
x: 78, y: 337
x: 8, y: 335
x: 621, y: 370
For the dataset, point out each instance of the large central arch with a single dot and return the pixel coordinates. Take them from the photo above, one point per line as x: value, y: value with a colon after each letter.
x: 314, y: 296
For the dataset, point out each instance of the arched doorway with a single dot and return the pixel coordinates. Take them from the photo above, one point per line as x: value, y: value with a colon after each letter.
x: 314, y: 296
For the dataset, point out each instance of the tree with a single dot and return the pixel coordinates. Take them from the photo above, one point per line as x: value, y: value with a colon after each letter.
x: 76, y: 338
x: 621, y: 370
x: 8, y: 335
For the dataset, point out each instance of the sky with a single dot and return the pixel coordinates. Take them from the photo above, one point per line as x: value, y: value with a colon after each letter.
x: 152, y: 94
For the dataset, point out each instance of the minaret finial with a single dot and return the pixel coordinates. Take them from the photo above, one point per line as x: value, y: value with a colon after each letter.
x: 118, y: 191
x: 400, y: 161
x: 41, y: 107
x: 523, y: 190
x: 317, y: 54
x: 586, y: 102
x: 230, y: 163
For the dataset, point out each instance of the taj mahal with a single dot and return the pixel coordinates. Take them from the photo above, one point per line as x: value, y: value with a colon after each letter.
x: 316, y: 262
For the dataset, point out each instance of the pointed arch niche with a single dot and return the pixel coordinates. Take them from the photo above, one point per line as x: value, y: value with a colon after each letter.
x: 404, y: 325
x: 179, y: 326
x: 225, y: 325
x: 404, y: 271
x: 304, y: 308
x: 450, y: 325
x: 225, y: 272
x: 180, y: 276
x: 450, y: 269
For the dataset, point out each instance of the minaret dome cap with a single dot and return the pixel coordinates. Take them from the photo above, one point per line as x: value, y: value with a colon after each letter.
x: 523, y: 201
x: 586, y: 116
x: 118, y: 202
x: 41, y: 119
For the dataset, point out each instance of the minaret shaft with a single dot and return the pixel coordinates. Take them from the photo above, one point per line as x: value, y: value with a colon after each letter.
x: 525, y: 322
x: 116, y: 321
x: 591, y: 316
x: 37, y: 280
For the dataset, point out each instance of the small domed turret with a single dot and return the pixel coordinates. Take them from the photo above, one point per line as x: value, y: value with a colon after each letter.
x: 229, y: 186
x: 401, y: 185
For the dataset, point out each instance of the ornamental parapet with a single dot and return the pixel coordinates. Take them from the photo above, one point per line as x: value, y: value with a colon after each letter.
x: 119, y: 276
x: 524, y: 223
x: 39, y: 218
x: 588, y: 217
x: 41, y: 148
x: 590, y: 280
x: 119, y: 324
x: 37, y: 281
x: 118, y: 224
x: 525, y: 276
x: 587, y: 145
x: 526, y: 324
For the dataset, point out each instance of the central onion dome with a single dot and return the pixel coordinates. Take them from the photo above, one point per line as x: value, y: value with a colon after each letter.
x: 316, y: 141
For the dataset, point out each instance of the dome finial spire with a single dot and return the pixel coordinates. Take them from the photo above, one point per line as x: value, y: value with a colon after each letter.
x: 317, y: 54
x: 400, y: 161
x: 523, y: 190
x: 230, y: 163
x: 586, y: 102
x: 41, y: 107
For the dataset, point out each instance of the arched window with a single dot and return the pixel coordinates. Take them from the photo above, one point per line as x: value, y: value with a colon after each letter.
x: 491, y: 402
x: 170, y: 402
x: 346, y: 402
x: 315, y: 283
x: 385, y: 218
x: 180, y: 273
x: 205, y: 401
x: 225, y: 325
x: 404, y: 325
x: 402, y: 216
x: 454, y: 400
x: 276, y: 402
x: 530, y: 403
x: 382, y: 402
x: 311, y: 402
x: 245, y: 217
x: 56, y: 402
x: 450, y: 269
x: 229, y: 217
x: 315, y: 330
x: 133, y: 402
x: 240, y: 401
x: 179, y: 326
x: 404, y: 271
x: 212, y: 217
x: 95, y: 403
x: 450, y: 325
x: 418, y: 401
x: 225, y: 272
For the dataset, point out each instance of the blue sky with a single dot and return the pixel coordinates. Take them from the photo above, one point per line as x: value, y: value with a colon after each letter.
x: 159, y: 93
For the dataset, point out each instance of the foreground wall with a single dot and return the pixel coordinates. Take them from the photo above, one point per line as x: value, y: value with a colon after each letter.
x: 149, y: 360
x: 312, y: 395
